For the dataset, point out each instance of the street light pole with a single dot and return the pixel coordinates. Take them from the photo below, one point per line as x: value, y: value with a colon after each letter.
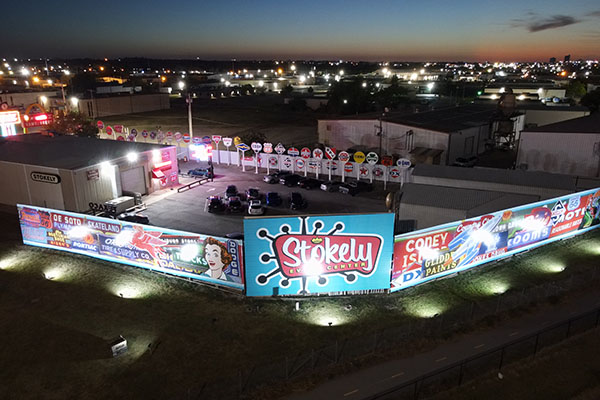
x: 189, y: 103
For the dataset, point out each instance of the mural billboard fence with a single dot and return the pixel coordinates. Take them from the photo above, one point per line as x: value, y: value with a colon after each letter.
x: 318, y: 254
x: 431, y: 253
x: 191, y: 255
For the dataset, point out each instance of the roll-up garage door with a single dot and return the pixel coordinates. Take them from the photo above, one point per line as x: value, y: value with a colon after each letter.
x: 133, y: 180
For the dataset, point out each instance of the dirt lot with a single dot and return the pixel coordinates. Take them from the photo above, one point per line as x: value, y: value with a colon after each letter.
x: 230, y: 117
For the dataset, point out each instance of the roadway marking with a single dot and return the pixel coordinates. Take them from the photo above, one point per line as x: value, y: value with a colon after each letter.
x: 350, y: 393
x: 514, y: 333
x: 441, y: 359
x: 479, y: 346
x: 398, y: 374
x: 211, y: 189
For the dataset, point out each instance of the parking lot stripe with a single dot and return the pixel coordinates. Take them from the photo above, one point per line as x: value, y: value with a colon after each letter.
x: 350, y: 393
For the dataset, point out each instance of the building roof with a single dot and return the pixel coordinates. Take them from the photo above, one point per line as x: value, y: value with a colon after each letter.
x: 508, y: 177
x: 66, y: 152
x: 475, y: 202
x: 588, y: 124
x: 539, y: 106
x: 448, y: 120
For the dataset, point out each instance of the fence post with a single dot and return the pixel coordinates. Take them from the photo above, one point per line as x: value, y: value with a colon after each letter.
x: 501, y: 358
x: 569, y: 328
x: 460, y: 374
x: 535, y: 347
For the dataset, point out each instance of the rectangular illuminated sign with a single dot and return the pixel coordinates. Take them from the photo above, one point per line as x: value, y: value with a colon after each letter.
x: 10, y: 117
x: 318, y: 254
x: 431, y: 253
x: 202, y: 257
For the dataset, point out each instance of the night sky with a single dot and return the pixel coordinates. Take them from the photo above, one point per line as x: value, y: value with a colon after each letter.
x: 417, y: 30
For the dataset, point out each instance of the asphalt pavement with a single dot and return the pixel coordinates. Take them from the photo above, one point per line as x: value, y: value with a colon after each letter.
x: 186, y: 211
x: 376, y: 379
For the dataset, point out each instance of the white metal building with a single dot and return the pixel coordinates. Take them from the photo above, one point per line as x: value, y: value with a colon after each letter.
x: 569, y: 147
x: 69, y: 172
x: 433, y: 137
x: 427, y: 205
x: 537, y: 183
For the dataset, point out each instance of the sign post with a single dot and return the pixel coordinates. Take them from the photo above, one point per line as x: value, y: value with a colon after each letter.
x: 292, y: 151
x: 330, y: 154
x: 257, y: 147
x: 227, y: 141
x: 217, y: 139
x: 279, y: 149
x: 318, y: 156
x: 372, y: 159
x: 386, y: 161
x: 344, y: 157
x: 403, y: 164
x: 243, y: 147
x: 359, y: 158
x: 268, y: 149
x: 305, y: 154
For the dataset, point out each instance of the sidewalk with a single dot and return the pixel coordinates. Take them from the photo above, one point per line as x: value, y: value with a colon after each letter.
x: 390, y: 374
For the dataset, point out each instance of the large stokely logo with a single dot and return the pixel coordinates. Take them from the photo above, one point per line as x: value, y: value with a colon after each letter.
x: 302, y: 255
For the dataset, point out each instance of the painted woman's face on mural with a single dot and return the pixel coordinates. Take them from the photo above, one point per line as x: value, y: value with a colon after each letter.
x: 212, y: 255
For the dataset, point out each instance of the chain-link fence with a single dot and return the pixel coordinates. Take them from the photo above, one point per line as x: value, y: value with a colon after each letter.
x: 325, y: 359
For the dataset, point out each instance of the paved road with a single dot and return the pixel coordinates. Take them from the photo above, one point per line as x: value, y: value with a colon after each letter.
x: 378, y: 378
x: 185, y: 211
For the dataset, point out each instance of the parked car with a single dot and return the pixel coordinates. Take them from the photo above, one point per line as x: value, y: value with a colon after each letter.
x: 275, y: 176
x: 331, y: 186
x: 215, y: 204
x: 309, y: 183
x: 290, y: 180
x: 253, y: 194
x: 231, y: 191
x: 202, y: 172
x: 235, y: 204
x: 354, y: 188
x: 274, y: 199
x: 134, y: 217
x: 256, y: 208
x: 466, y: 161
x: 297, y: 202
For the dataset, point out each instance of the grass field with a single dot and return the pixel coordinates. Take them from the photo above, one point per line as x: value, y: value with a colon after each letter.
x: 56, y: 331
x: 230, y: 117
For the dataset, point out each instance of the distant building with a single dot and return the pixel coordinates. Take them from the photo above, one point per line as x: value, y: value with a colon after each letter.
x: 537, y: 114
x: 569, y: 147
x: 567, y: 58
x: 433, y: 137
x: 552, y: 60
x: 105, y: 106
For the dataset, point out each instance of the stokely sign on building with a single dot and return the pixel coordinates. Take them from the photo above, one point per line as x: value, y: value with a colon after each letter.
x: 318, y: 254
x: 45, y: 177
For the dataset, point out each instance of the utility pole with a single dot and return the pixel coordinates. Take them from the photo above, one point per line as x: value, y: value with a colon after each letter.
x: 188, y: 100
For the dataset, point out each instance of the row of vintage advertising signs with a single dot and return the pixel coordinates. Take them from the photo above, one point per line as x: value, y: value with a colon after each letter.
x: 119, y: 132
x: 303, y: 255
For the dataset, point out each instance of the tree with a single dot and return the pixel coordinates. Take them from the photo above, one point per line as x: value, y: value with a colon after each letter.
x: 253, y: 135
x: 83, y: 82
x: 74, y: 123
x: 592, y: 100
x: 576, y: 89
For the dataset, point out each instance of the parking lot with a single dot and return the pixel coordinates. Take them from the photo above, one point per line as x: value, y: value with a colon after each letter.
x: 186, y: 211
